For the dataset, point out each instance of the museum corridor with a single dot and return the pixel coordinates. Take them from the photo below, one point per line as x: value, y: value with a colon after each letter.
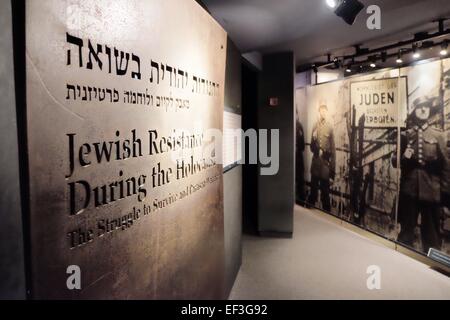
x: 157, y: 150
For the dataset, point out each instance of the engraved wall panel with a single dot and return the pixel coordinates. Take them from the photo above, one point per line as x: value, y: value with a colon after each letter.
x: 125, y: 181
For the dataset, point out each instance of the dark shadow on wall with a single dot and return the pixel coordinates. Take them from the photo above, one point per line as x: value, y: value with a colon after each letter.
x: 250, y: 171
x: 276, y: 114
x: 12, y: 74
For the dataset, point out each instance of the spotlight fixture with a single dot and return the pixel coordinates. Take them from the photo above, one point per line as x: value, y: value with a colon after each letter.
x: 348, y: 10
x: 348, y: 69
x: 416, y: 53
x: 399, y: 57
x: 444, y: 47
x: 372, y: 60
x: 336, y: 63
x: 331, y: 3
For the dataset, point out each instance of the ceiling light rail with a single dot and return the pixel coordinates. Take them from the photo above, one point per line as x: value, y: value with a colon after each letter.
x: 420, y: 41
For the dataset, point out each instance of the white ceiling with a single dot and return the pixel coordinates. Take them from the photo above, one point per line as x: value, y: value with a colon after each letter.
x: 310, y: 28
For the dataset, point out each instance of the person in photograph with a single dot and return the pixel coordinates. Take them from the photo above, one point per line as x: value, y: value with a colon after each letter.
x: 445, y: 179
x: 445, y: 182
x: 422, y: 150
x: 323, y: 166
x: 299, y: 166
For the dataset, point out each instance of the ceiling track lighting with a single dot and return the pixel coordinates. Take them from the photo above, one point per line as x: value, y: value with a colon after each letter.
x: 412, y: 46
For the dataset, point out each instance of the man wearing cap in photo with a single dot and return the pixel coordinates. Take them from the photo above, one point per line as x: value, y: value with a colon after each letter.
x: 422, y: 162
x: 324, y: 159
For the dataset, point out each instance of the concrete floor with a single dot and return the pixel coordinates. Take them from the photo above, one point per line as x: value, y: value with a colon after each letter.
x: 327, y: 261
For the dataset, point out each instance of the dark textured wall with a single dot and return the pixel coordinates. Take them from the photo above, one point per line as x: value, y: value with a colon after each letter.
x: 232, y: 179
x: 12, y: 274
x: 250, y: 77
x: 177, y: 252
x: 276, y: 192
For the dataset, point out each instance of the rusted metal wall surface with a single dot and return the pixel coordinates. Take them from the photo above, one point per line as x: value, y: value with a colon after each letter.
x: 116, y: 92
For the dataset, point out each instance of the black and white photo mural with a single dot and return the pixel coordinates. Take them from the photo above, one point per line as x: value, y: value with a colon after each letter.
x: 376, y: 152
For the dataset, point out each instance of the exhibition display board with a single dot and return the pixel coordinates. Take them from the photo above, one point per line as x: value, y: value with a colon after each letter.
x: 374, y: 150
x: 125, y: 183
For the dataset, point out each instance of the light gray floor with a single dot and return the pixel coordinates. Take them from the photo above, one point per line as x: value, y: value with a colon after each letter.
x: 327, y: 261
